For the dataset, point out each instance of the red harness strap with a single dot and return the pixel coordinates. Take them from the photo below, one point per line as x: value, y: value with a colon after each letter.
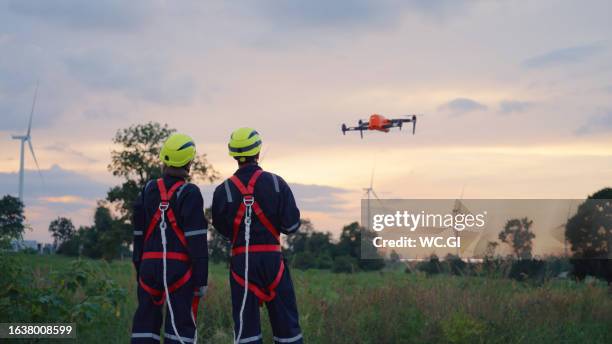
x: 264, y: 295
x: 165, y: 197
x: 169, y: 255
x: 248, y: 191
x: 160, y: 293
x: 256, y: 248
x: 269, y: 293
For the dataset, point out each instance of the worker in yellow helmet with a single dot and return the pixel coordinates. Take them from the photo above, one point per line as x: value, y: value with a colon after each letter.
x: 170, y: 249
x: 252, y: 209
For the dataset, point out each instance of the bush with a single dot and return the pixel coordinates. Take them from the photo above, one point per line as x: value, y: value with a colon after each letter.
x: 461, y: 328
x: 524, y: 269
x: 324, y: 261
x: 346, y: 264
x: 70, y: 247
x: 304, y: 261
x: 601, y: 268
x: 431, y: 266
x: 455, y: 265
x: 79, y: 293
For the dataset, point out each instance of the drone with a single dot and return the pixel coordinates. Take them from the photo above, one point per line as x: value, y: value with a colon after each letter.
x: 381, y: 123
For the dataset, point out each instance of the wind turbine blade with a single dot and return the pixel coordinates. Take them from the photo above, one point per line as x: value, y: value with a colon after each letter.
x: 375, y: 195
x: 35, y: 160
x: 32, y: 111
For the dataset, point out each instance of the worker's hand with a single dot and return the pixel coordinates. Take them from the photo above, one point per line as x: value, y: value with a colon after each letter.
x: 201, y: 291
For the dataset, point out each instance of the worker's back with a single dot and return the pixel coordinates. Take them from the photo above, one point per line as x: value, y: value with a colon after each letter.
x: 170, y: 249
x: 186, y: 203
x: 272, y: 194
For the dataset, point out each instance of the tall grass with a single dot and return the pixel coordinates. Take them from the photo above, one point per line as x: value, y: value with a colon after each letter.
x: 394, y: 307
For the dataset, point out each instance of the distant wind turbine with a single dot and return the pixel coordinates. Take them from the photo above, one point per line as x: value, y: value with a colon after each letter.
x: 27, y: 137
x: 370, y: 191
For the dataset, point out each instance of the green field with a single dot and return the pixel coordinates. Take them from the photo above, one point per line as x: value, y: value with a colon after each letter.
x: 386, y: 307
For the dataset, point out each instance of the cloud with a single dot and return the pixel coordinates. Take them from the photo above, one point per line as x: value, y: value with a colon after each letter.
x: 63, y: 147
x: 575, y: 54
x: 153, y: 80
x: 351, y: 14
x: 339, y: 13
x: 63, y: 193
x: 67, y: 199
x: 460, y: 106
x: 16, y: 103
x: 596, y: 124
x: 510, y: 106
x: 319, y: 198
x: 76, y: 14
x: 58, y: 182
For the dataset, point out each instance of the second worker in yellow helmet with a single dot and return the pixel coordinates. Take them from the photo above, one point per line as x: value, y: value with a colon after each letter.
x: 266, y: 199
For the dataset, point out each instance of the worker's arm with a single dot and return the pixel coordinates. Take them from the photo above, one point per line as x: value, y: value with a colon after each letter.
x: 138, y: 224
x: 219, y: 211
x: 195, y: 228
x: 289, y: 212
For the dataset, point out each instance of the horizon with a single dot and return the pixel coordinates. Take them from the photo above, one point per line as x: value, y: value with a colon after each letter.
x: 515, y: 101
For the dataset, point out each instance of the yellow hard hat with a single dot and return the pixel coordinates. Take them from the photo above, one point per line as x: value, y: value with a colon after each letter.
x: 178, y: 150
x: 244, y: 142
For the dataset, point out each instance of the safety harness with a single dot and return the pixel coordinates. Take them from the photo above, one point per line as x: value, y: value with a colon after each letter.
x: 245, y: 210
x: 164, y: 210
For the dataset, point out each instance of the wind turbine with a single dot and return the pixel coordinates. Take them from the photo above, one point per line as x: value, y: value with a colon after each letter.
x: 370, y: 191
x: 26, y: 138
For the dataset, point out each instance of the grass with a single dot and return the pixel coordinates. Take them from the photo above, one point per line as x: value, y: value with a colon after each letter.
x: 395, y: 307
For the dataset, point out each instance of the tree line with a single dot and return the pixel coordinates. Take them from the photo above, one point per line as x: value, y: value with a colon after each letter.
x: 135, y: 160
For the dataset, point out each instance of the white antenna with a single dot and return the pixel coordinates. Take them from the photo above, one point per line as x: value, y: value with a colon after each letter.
x: 23, y: 138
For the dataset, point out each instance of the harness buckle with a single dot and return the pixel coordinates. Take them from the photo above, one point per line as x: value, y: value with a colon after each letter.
x: 248, y: 200
x: 163, y: 205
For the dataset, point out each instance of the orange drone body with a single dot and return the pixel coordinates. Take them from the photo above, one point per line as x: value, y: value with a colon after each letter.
x: 379, y: 122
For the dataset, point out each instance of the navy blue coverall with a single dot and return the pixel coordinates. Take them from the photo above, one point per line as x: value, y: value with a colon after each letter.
x: 266, y: 268
x: 187, y: 260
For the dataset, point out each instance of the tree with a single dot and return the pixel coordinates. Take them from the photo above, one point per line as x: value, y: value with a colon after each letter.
x: 589, y: 233
x: 109, y: 232
x: 218, y: 247
x: 490, y: 250
x: 11, y: 220
x: 308, y: 248
x: 61, y: 230
x: 137, y: 161
x: 344, y: 263
x: 304, y: 260
x: 102, y: 240
x: 350, y: 245
x: 298, y: 242
x: 89, y: 242
x: 517, y: 233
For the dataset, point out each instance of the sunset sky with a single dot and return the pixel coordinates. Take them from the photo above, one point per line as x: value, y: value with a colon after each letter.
x: 515, y: 95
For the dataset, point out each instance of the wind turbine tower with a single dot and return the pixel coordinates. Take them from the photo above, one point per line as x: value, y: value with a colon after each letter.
x: 26, y: 138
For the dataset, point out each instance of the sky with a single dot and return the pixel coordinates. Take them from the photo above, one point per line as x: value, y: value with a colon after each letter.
x: 514, y: 96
